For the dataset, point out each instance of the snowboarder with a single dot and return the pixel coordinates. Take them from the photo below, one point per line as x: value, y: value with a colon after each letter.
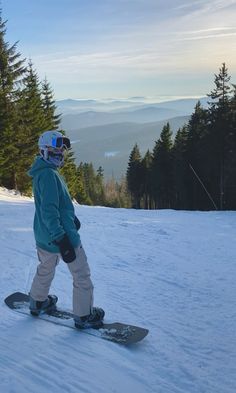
x: 56, y: 234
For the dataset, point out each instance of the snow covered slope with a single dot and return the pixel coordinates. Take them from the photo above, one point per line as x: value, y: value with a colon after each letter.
x: 172, y: 272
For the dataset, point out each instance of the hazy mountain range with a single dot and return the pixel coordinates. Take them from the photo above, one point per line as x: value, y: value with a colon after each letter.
x: 104, y: 132
x: 70, y: 106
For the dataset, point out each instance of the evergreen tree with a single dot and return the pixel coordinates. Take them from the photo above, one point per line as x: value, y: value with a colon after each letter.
x: 162, y: 170
x: 89, y: 180
x: 12, y: 70
x: 133, y: 177
x: 180, y: 169
x: 230, y: 162
x: 31, y: 123
x: 99, y: 187
x: 198, y: 158
x: 82, y: 196
x: 69, y: 172
x: 52, y: 120
x: 220, y: 95
x: 146, y: 166
x: 219, y: 128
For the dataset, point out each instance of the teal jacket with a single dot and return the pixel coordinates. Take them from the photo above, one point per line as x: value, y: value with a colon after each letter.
x: 54, y: 211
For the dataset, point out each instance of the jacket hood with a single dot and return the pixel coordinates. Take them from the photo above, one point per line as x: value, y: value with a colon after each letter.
x: 38, y: 165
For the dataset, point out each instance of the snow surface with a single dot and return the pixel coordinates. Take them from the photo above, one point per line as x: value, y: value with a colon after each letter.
x: 173, y: 272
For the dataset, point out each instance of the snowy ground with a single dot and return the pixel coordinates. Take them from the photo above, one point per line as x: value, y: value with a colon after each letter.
x: 172, y: 272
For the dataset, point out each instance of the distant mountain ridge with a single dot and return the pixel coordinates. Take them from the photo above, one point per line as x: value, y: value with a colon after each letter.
x: 78, y: 114
x: 104, y: 132
x: 71, y: 106
x: 92, y: 118
x: 110, y: 145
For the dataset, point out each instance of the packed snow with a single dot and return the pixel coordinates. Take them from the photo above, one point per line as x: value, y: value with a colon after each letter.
x: 173, y: 272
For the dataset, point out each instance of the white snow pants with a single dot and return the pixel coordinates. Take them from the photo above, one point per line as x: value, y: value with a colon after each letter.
x: 82, y: 284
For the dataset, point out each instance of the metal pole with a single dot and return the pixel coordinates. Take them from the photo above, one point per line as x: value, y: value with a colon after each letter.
x: 200, y: 181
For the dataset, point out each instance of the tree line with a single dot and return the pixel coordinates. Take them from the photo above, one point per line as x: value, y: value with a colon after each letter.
x: 197, y: 168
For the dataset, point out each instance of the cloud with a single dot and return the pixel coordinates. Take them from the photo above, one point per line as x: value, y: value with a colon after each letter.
x: 212, y: 29
x: 209, y: 33
x: 208, y: 36
x: 204, y: 6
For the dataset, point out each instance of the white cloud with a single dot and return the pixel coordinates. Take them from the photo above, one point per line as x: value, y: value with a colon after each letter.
x: 204, y: 37
x: 204, y: 6
x: 212, y: 29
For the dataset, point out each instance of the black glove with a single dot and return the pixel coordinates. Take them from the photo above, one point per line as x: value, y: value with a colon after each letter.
x: 66, y: 249
x: 77, y: 223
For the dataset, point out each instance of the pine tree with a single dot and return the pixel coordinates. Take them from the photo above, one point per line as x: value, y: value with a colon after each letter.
x: 133, y: 176
x: 146, y: 166
x: 52, y: 120
x: 162, y: 170
x: 230, y: 162
x: 180, y: 169
x: 99, y: 187
x: 31, y: 123
x: 198, y: 158
x: 220, y: 95
x: 82, y: 196
x: 69, y: 172
x: 219, y: 128
x: 12, y: 70
x: 89, y: 180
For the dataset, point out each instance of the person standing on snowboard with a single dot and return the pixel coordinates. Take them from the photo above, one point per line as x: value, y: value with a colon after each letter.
x: 56, y: 234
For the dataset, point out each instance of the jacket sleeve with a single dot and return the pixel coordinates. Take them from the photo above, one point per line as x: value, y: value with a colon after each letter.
x: 50, y: 201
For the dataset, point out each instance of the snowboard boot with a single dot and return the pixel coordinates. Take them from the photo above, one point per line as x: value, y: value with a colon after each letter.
x: 36, y: 307
x: 93, y: 320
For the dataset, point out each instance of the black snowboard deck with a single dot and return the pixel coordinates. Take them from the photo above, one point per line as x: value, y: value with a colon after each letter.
x: 117, y: 332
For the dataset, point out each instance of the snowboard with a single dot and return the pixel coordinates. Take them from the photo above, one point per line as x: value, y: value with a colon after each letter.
x: 116, y: 332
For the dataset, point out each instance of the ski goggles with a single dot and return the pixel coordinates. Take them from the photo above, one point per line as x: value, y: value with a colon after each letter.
x: 61, y: 141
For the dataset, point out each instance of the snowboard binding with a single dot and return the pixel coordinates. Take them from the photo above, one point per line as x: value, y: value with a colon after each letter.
x: 37, y: 307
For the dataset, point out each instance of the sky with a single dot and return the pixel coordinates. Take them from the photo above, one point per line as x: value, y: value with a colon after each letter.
x: 125, y: 48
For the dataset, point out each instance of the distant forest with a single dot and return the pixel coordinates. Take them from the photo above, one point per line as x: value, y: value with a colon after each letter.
x: 196, y: 170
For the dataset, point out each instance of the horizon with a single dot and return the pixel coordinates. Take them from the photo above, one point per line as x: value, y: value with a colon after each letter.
x: 125, y: 48
x: 150, y: 100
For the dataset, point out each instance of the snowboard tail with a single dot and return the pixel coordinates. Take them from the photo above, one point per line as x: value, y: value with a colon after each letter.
x: 117, y: 332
